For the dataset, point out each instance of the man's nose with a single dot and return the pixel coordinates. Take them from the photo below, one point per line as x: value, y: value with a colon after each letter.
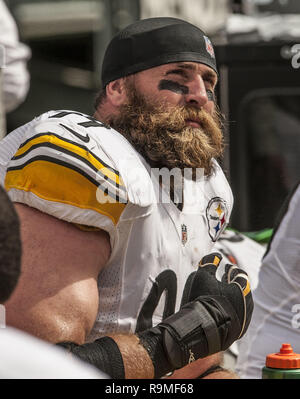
x: 197, y: 95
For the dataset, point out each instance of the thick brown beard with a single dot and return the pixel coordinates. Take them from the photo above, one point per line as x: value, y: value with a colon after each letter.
x: 162, y: 137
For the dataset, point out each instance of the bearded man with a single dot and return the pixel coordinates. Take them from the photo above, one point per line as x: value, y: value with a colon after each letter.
x: 109, y: 268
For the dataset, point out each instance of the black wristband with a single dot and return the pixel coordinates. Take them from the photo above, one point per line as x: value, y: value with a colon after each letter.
x: 103, y: 353
x: 211, y: 370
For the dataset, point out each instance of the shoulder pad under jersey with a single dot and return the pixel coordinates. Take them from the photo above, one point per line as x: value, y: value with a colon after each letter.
x: 70, y: 165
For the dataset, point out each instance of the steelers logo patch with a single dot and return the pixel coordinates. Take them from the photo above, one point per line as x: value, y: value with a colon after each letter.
x: 217, y: 217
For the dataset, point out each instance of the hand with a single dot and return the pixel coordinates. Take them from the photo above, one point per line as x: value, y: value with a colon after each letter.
x: 234, y: 286
x: 213, y: 315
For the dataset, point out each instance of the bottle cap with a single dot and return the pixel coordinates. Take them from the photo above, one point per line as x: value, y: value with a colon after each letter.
x: 285, y: 359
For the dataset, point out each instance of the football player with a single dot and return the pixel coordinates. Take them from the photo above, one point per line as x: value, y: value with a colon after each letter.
x: 276, y: 314
x: 111, y: 249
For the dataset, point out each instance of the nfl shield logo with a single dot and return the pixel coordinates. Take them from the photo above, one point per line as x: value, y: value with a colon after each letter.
x: 209, y: 47
x: 183, y: 234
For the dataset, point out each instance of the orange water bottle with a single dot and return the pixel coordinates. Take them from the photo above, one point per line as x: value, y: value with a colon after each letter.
x: 282, y: 365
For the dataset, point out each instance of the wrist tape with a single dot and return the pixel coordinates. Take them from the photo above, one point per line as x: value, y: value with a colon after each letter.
x: 103, y: 353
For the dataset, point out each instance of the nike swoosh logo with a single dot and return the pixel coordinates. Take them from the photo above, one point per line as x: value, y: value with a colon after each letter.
x: 86, y: 138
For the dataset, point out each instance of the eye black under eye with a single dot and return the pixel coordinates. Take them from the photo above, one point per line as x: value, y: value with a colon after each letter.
x: 173, y: 86
x: 210, y: 95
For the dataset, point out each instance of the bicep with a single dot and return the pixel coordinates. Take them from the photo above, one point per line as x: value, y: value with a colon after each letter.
x: 57, y: 295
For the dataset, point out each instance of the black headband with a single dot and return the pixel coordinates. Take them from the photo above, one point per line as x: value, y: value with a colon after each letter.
x: 152, y: 42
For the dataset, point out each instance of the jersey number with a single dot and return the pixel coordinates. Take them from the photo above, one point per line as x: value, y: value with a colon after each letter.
x: 165, y: 282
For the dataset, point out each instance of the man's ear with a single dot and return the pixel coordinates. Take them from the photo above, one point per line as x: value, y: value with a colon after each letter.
x: 116, y: 92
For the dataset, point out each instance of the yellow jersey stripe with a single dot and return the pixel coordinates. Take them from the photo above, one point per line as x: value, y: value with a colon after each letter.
x: 54, y: 182
x: 247, y: 289
x: 216, y: 261
x: 73, y: 148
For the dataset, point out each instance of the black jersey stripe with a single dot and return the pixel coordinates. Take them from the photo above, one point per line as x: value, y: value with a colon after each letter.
x: 83, y: 147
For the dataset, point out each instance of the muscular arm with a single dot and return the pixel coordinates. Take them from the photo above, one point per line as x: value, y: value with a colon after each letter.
x: 57, y: 296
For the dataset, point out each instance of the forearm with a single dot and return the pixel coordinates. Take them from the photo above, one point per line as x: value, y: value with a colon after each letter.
x: 119, y: 356
x: 137, y: 363
x: 221, y: 375
x: 136, y: 360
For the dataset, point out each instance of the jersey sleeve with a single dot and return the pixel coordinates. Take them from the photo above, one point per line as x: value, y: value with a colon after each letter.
x: 61, y: 171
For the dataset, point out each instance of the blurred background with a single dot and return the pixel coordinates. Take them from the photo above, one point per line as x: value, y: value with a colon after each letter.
x: 258, y: 53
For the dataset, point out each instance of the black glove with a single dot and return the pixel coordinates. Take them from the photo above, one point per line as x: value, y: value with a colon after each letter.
x: 234, y: 286
x: 213, y: 315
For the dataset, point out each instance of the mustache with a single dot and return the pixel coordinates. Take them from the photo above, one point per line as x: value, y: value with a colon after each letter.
x: 173, y: 119
x: 202, y: 117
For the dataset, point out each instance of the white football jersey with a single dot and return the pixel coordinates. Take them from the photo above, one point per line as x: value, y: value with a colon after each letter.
x: 277, y: 297
x: 73, y: 167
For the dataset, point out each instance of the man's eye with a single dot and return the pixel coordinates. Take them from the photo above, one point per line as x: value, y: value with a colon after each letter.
x: 179, y: 72
x: 210, y: 82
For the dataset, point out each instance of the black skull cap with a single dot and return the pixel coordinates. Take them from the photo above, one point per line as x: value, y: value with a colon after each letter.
x: 152, y: 42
